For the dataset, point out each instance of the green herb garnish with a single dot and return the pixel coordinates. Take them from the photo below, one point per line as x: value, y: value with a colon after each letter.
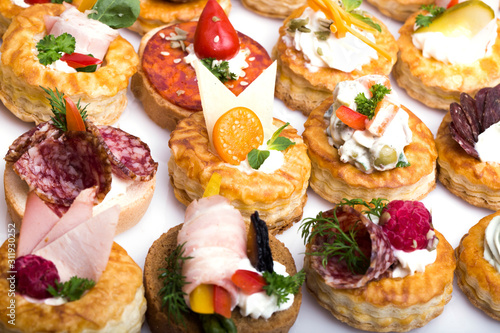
x: 402, y: 161
x: 373, y: 208
x: 351, y: 7
x: 71, y: 290
x: 424, y: 20
x: 367, y: 20
x: 173, y: 281
x: 61, y: 1
x: 58, y: 105
x: 116, y: 14
x: 282, y: 286
x: 338, y: 243
x: 256, y: 157
x: 51, y: 48
x: 367, y: 106
x: 217, y: 323
x: 221, y: 71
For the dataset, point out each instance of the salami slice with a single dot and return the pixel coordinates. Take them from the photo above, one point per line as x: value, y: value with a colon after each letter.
x: 58, y: 169
x: 370, y: 238
x: 30, y: 139
x: 129, y: 156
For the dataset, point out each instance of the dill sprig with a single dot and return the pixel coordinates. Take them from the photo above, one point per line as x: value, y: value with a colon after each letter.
x: 338, y: 243
x: 58, y: 105
x: 173, y: 281
x: 373, y: 208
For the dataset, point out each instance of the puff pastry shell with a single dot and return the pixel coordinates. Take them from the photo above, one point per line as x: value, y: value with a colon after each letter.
x: 21, y: 74
x: 390, y: 304
x: 477, y: 278
x: 438, y: 84
x: 468, y: 178
x: 334, y: 180
x: 115, y: 304
x: 278, y: 197
x: 155, y: 13
x: 273, y: 8
x: 302, y: 89
x: 399, y: 9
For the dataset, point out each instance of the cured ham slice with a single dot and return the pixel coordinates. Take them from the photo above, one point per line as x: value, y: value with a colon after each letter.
x: 92, y: 36
x: 214, y: 235
x: 84, y: 250
x: 79, y: 212
x: 37, y: 222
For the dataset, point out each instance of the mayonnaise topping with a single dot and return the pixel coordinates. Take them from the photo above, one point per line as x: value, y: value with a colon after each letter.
x: 53, y: 301
x: 486, y: 145
x: 459, y: 49
x: 237, y: 64
x: 345, y: 54
x: 260, y: 304
x: 20, y: 3
x: 275, y: 160
x: 492, y: 243
x: 361, y: 148
x: 412, y: 262
x: 61, y: 66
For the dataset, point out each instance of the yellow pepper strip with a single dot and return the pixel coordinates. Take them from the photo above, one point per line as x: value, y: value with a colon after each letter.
x: 213, y: 186
x: 86, y: 4
x: 201, y: 299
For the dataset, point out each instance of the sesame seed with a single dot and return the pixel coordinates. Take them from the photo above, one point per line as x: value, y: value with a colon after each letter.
x: 251, y: 59
x: 216, y: 39
x: 235, y: 158
x: 178, y: 60
x: 165, y: 53
x: 230, y: 152
x: 162, y: 35
x: 244, y: 83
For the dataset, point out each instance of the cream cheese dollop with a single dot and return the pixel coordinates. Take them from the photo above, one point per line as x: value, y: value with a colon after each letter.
x: 459, y: 49
x: 20, y: 3
x: 486, y: 145
x: 345, y: 54
x: 274, y: 162
x: 52, y: 301
x: 492, y: 243
x: 412, y: 262
x: 260, y: 304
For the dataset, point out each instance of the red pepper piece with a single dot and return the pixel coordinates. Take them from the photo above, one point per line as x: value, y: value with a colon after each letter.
x: 74, y: 121
x: 222, y: 302
x: 351, y: 118
x: 78, y: 60
x: 248, y: 281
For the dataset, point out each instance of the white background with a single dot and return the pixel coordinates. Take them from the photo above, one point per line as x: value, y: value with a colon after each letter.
x: 451, y: 216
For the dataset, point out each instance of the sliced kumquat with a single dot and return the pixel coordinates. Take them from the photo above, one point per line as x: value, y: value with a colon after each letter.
x: 236, y: 133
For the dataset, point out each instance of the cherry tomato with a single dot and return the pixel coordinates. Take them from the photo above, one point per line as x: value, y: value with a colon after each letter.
x: 452, y: 3
x: 215, y: 36
x: 248, y: 281
x: 74, y: 120
x: 79, y: 60
x: 222, y: 302
x: 32, y: 2
x: 351, y: 118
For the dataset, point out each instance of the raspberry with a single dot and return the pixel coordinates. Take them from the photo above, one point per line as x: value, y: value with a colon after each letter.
x: 34, y: 275
x: 408, y: 224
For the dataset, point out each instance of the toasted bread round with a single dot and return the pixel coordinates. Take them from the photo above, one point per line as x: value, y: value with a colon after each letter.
x: 334, y: 180
x: 477, y: 278
x: 389, y: 304
x: 133, y: 203
x: 115, y: 304
x: 22, y: 75
x: 158, y: 318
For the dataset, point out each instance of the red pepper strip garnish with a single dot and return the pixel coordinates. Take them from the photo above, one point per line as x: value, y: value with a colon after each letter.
x: 351, y: 118
x: 74, y: 121
x: 32, y: 2
x: 78, y: 60
x: 249, y: 282
x: 452, y: 3
x: 222, y: 302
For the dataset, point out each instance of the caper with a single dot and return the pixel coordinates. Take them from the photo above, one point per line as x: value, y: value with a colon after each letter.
x: 387, y: 156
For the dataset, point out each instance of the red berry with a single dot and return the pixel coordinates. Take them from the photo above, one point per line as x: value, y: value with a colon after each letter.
x: 34, y: 275
x: 407, y: 224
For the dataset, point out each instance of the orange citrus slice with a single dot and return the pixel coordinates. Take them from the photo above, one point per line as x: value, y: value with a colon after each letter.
x: 235, y: 133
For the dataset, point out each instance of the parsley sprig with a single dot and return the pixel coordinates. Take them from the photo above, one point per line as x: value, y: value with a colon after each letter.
x: 173, y: 281
x: 367, y: 106
x: 221, y: 71
x: 58, y: 105
x: 424, y: 20
x: 339, y: 243
x: 51, y: 48
x: 256, y: 157
x: 71, y: 290
x: 282, y: 286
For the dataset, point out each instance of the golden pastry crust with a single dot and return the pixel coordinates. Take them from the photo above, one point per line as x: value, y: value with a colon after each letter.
x: 399, y: 9
x: 437, y: 84
x: 477, y: 278
x: 390, y: 304
x: 115, y: 304
x: 301, y: 89
x: 278, y: 197
x: 155, y: 13
x: 468, y: 178
x: 21, y: 74
x: 334, y: 180
x: 273, y: 8
x: 157, y: 317
x: 7, y: 11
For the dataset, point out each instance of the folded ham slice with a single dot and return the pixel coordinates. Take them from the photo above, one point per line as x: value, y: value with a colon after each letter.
x: 92, y: 36
x: 214, y: 235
